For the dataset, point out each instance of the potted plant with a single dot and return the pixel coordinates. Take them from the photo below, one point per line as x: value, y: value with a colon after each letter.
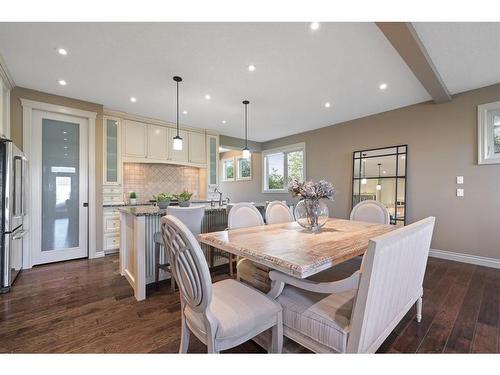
x: 133, y: 197
x: 184, y: 198
x: 163, y: 200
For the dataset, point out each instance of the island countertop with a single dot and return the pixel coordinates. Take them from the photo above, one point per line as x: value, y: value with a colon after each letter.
x: 156, y: 211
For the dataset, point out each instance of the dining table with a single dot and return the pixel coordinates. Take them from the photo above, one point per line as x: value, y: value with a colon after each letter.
x: 295, y: 251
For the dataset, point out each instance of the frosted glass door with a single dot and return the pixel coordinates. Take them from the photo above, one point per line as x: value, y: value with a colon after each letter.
x: 111, y: 151
x: 62, y: 147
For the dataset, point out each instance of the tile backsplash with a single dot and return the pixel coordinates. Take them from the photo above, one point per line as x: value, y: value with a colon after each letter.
x: 150, y: 179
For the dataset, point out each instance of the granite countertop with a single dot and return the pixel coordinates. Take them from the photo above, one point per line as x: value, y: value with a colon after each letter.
x: 156, y: 211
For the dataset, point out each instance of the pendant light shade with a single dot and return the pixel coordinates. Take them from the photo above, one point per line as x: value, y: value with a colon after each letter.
x: 246, y: 151
x: 379, y: 186
x: 177, y: 141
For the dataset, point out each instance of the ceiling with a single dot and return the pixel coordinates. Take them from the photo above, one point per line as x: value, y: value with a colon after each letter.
x: 297, y: 69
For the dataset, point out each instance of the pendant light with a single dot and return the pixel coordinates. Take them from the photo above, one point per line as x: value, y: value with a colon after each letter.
x: 363, y: 180
x: 177, y: 142
x: 379, y: 186
x: 246, y: 150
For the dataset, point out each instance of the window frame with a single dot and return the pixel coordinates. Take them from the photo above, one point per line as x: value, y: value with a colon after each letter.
x: 223, y: 167
x: 485, y: 129
x: 238, y: 178
x: 285, y: 150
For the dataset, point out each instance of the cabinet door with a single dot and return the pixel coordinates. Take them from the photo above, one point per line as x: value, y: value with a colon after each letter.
x: 212, y: 161
x: 180, y: 156
x: 197, y: 143
x: 158, y: 145
x: 135, y: 139
x: 112, y: 167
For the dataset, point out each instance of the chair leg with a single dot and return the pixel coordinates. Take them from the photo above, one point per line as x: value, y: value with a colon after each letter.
x: 277, y: 336
x: 172, y: 281
x: 157, y: 263
x: 184, y: 337
x: 230, y: 259
x: 419, y: 310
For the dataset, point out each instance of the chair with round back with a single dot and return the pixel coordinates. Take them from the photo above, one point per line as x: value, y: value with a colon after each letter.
x: 221, y: 315
x: 192, y: 217
x: 278, y: 212
x: 244, y: 215
x: 371, y: 211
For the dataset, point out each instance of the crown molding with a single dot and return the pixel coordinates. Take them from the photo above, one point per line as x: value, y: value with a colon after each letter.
x: 5, y: 75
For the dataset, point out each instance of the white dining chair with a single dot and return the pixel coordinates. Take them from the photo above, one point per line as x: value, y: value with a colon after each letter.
x: 371, y: 211
x: 357, y: 314
x: 278, y: 212
x: 192, y: 217
x: 221, y: 315
x: 244, y: 215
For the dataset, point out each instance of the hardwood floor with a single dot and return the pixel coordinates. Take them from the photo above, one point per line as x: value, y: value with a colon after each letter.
x: 85, y: 306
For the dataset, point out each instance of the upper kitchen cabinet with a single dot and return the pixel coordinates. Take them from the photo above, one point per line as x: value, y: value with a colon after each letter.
x: 197, y: 143
x: 158, y: 143
x: 212, y: 161
x: 112, y: 167
x: 135, y: 139
x: 179, y: 156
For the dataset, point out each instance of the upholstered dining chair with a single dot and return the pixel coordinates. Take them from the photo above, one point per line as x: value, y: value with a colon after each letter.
x: 278, y: 212
x: 357, y: 314
x: 221, y: 315
x: 371, y: 211
x: 192, y: 217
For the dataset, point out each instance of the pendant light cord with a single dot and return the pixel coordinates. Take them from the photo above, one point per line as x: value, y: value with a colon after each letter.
x: 177, y: 108
x: 246, y: 125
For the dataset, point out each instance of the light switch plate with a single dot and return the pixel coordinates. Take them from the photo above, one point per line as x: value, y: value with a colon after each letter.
x: 460, y: 192
x: 460, y: 180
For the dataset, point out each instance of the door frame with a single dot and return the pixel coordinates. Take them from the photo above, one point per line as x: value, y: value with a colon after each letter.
x: 28, y: 107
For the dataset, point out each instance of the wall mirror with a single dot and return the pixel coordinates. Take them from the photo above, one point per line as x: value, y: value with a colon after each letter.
x: 380, y: 174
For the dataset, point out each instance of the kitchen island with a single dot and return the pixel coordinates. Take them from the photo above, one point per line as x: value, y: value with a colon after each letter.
x: 138, y: 226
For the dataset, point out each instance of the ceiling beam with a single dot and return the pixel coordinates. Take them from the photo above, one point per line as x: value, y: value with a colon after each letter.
x: 405, y: 40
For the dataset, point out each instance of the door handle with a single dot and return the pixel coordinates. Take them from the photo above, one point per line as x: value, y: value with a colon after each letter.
x: 19, y: 235
x: 85, y: 204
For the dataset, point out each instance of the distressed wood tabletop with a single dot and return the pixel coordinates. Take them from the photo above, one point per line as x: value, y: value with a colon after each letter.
x: 292, y: 250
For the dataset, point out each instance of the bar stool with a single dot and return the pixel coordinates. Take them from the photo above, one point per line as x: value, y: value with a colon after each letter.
x: 192, y: 218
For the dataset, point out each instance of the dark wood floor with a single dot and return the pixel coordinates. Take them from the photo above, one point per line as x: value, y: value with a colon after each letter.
x: 86, y: 306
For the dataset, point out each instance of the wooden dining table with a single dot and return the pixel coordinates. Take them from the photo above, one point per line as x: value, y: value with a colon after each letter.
x: 291, y: 249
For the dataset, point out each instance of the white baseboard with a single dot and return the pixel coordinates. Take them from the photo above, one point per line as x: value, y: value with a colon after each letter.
x: 465, y: 258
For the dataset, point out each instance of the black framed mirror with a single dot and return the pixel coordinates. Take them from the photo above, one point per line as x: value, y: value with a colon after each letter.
x: 380, y: 174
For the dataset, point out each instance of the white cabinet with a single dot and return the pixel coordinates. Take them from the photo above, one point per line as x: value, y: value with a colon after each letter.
x: 158, y: 145
x: 112, y: 151
x: 196, y: 149
x: 135, y: 139
x: 180, y: 156
x: 4, y: 109
x: 111, y: 230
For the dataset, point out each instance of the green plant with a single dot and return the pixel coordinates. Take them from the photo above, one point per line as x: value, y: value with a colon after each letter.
x: 133, y: 195
x: 184, y: 196
x: 163, y: 197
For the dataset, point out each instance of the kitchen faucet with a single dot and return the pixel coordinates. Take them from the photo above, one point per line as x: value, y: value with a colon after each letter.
x: 216, y: 190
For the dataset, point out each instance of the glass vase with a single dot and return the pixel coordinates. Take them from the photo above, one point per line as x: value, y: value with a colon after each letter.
x: 311, y: 214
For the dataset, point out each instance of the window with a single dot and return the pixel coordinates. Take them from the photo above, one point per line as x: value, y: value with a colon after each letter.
x: 228, y: 169
x: 489, y: 133
x: 281, y: 166
x: 244, y: 168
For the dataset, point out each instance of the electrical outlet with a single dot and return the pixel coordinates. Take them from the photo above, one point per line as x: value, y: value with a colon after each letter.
x: 460, y: 192
x: 460, y: 180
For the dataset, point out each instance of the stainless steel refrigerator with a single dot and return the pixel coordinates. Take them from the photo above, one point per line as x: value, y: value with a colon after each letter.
x: 12, y: 212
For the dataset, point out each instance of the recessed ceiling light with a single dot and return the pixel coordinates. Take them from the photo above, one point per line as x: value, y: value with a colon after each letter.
x: 314, y: 26
x: 382, y: 86
x: 133, y: 100
x: 184, y: 112
x: 207, y: 96
x: 65, y: 132
x: 384, y: 172
x: 62, y: 51
x: 224, y: 121
x: 251, y: 68
x: 327, y: 105
x: 65, y: 146
x: 62, y: 82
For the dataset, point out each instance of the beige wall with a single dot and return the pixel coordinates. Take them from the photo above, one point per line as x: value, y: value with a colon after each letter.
x: 16, y: 133
x: 442, y: 144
